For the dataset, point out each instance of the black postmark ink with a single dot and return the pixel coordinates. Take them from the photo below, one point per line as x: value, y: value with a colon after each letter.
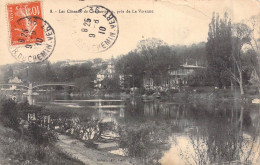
x: 41, y: 48
x: 98, y: 28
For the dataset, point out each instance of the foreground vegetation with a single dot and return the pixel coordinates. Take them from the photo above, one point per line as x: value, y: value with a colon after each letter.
x: 32, y: 145
x: 22, y: 151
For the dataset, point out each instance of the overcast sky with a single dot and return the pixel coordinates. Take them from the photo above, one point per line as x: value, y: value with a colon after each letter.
x: 175, y: 22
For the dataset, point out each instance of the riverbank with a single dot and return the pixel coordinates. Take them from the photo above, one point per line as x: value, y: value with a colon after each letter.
x: 41, y: 140
x: 16, y: 150
x: 188, y: 94
x: 78, y: 150
x: 67, y: 151
x: 197, y: 94
x: 226, y: 95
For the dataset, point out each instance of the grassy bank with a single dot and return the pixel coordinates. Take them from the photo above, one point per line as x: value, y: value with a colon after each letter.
x: 16, y: 150
x: 27, y: 143
x: 31, y: 135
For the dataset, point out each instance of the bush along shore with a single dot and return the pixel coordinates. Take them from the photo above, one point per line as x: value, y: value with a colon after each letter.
x: 31, y: 135
x: 196, y: 94
x: 25, y: 141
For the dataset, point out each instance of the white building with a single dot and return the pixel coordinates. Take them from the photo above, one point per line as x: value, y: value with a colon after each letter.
x: 109, y: 72
x: 15, y: 80
x: 175, y: 76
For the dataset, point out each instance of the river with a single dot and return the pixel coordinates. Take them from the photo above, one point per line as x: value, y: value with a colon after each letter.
x: 169, y: 132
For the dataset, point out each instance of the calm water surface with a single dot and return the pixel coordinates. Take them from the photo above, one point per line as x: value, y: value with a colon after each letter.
x: 168, y: 132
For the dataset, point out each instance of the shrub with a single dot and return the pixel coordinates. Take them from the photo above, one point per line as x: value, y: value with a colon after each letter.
x: 91, y: 144
x: 163, y: 93
x: 21, y: 151
x: 200, y: 77
x: 9, y: 114
x: 149, y: 92
x: 172, y: 91
x: 252, y: 90
x: 147, y: 141
x: 40, y: 135
x: 24, y: 108
x: 142, y: 90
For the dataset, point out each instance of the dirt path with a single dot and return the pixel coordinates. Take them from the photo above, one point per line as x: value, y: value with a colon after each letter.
x: 90, y: 156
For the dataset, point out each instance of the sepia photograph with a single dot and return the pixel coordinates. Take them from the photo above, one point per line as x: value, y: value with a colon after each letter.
x: 130, y: 82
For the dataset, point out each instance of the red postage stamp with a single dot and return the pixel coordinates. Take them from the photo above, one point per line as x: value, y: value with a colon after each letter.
x: 32, y: 39
x: 25, y: 31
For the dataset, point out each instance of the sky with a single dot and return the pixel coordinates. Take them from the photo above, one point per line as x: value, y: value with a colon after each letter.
x: 181, y: 22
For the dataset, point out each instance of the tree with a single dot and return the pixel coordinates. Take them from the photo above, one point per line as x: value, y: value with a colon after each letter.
x: 158, y: 57
x: 254, y: 24
x: 241, y: 36
x: 9, y: 73
x: 225, y: 50
x: 85, y: 83
x: 152, y: 59
x: 199, y: 77
x: 83, y: 70
x: 192, y: 54
x: 36, y: 73
x: 98, y: 60
x: 219, y: 49
x: 111, y: 84
x: 9, y: 113
x: 131, y: 64
x: 49, y: 73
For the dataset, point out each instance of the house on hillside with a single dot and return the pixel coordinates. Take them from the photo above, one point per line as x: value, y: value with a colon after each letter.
x: 109, y: 72
x: 15, y: 80
x: 175, y: 78
x: 12, y: 83
x: 180, y: 76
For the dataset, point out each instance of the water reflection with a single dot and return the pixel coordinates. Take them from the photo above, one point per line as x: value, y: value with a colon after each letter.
x: 166, y: 132
x: 222, y: 136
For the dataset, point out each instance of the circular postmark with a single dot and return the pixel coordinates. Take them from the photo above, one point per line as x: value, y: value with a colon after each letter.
x: 96, y: 28
x: 35, y: 40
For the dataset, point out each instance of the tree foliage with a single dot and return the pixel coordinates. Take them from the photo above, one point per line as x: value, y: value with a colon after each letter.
x: 9, y: 113
x: 231, y: 51
x: 219, y: 49
x: 192, y: 54
x: 9, y: 73
x: 132, y: 66
x: 152, y: 58
x: 241, y: 37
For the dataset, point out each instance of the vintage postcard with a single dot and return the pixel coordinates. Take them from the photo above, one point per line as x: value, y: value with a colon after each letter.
x: 171, y: 82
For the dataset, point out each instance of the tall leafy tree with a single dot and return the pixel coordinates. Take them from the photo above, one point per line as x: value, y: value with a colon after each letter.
x: 158, y: 57
x: 152, y: 59
x: 132, y: 67
x: 9, y: 73
x: 192, y: 54
x: 241, y: 37
x: 219, y: 49
x: 49, y: 73
x: 254, y: 44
